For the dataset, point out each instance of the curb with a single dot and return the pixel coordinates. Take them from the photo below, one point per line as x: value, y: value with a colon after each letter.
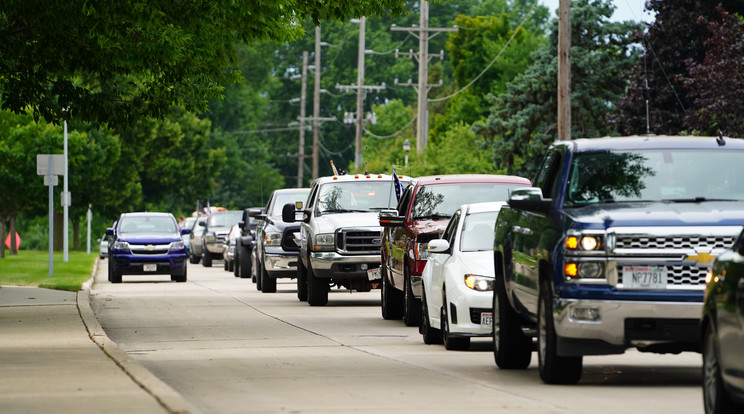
x: 166, y: 396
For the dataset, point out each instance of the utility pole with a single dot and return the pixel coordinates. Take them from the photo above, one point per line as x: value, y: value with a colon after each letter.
x: 564, y: 70
x: 316, y: 102
x: 422, y: 33
x: 361, y: 90
x: 303, y: 97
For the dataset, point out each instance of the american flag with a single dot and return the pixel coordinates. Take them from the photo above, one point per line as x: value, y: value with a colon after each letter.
x: 397, y: 184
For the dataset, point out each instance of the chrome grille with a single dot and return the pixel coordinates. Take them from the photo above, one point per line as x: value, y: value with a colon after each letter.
x: 674, y: 242
x: 358, y: 241
x: 682, y: 276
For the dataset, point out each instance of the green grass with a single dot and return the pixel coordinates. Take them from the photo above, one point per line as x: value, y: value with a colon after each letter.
x: 31, y: 268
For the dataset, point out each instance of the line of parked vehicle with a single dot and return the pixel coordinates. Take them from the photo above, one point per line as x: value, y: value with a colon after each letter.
x: 608, y: 249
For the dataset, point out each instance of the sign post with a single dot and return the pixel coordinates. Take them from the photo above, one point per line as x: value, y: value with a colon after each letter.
x: 50, y: 165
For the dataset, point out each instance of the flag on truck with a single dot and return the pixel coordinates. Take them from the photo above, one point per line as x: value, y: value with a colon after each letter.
x: 397, y: 184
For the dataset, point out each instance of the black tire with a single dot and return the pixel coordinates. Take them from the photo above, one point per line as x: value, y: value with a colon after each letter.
x: 245, y: 268
x: 268, y: 285
x: 411, y: 305
x: 512, y: 349
x: 317, y: 289
x: 391, y: 298
x: 180, y: 278
x: 207, y: 259
x: 257, y: 272
x: 114, y: 275
x: 226, y: 265
x: 193, y: 259
x: 431, y: 336
x: 554, y: 369
x: 231, y: 266
x: 301, y: 281
x: 451, y: 343
x: 716, y: 398
x: 236, y: 262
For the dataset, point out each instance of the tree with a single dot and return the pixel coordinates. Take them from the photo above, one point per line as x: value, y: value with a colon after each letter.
x: 523, y: 120
x: 117, y: 61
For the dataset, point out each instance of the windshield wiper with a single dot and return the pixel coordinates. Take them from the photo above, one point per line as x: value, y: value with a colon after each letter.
x: 344, y: 210
x: 695, y: 200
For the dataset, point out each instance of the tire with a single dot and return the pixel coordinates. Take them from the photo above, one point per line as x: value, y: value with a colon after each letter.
x: 411, y: 305
x: 317, y: 290
x: 301, y: 281
x: 231, y: 266
x: 254, y: 263
x: 430, y: 335
x: 245, y: 267
x: 512, y: 349
x: 716, y: 398
x: 236, y: 262
x: 114, y: 275
x: 451, y: 343
x: 207, y: 259
x: 268, y: 285
x: 554, y: 369
x: 391, y: 298
x: 226, y: 265
x: 180, y: 278
x: 257, y: 272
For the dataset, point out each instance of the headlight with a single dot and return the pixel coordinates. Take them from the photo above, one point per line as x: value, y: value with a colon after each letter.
x: 323, y: 242
x: 121, y: 245
x: 479, y: 283
x: 587, y: 243
x: 177, y: 245
x: 210, y: 238
x: 275, y: 239
x: 584, y: 270
x: 420, y: 251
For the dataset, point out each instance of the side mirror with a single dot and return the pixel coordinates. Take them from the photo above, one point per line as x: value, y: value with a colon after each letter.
x: 185, y: 231
x: 203, y: 223
x: 390, y: 218
x: 288, y: 213
x: 438, y: 246
x: 529, y: 199
x: 110, y: 231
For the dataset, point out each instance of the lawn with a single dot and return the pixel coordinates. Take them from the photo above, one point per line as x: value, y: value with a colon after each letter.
x: 31, y: 268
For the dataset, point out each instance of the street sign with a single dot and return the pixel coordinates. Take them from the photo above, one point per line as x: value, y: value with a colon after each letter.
x: 66, y: 197
x: 57, y: 167
x: 55, y: 180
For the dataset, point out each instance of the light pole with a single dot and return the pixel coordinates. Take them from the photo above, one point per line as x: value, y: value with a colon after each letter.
x: 406, y: 148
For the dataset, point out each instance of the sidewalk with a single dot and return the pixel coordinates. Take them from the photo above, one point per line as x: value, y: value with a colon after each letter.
x: 55, y: 358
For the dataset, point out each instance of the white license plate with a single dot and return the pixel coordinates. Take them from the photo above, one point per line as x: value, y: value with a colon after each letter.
x: 374, y: 274
x: 487, y: 319
x: 149, y: 267
x: 644, y: 277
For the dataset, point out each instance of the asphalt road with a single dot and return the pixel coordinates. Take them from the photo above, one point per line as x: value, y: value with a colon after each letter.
x: 229, y: 348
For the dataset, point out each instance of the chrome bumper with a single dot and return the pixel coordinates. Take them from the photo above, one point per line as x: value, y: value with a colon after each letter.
x: 334, y: 265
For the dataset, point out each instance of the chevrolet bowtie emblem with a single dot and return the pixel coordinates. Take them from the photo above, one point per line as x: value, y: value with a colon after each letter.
x: 702, y: 257
x: 150, y: 247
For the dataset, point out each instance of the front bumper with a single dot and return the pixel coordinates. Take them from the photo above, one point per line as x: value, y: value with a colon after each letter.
x: 281, y: 265
x: 618, y: 325
x: 130, y: 264
x: 469, y: 305
x: 215, y: 247
x: 331, y: 265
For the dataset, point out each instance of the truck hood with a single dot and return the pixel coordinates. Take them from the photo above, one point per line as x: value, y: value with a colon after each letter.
x: 148, y: 238
x: 707, y: 213
x: 328, y: 223
x: 429, y: 226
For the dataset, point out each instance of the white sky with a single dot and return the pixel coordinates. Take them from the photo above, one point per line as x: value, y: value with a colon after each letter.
x: 624, y: 9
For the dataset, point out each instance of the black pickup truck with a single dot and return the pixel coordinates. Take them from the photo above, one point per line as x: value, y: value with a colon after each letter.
x: 610, y: 249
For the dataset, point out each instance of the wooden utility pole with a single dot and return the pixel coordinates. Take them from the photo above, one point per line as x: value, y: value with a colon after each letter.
x: 316, y: 103
x: 303, y: 98
x: 564, y: 70
x: 360, y: 97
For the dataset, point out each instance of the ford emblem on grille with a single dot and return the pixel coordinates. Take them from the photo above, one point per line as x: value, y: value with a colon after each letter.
x: 377, y: 242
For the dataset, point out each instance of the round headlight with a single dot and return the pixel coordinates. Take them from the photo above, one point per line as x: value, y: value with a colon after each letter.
x: 589, y: 243
x: 590, y: 270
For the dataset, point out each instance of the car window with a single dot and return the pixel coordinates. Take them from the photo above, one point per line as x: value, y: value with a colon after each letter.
x: 285, y: 198
x: 148, y: 224
x: 451, y: 230
x: 224, y: 219
x: 437, y: 201
x: 477, y: 231
x: 355, y: 196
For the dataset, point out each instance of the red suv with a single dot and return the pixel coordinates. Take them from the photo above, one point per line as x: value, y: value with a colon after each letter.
x: 424, y: 209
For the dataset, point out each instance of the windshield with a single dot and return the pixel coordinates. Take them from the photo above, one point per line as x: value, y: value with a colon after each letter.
x: 226, y: 219
x: 440, y: 201
x: 477, y: 232
x: 153, y: 224
x: 285, y: 198
x: 353, y: 196
x: 655, y: 175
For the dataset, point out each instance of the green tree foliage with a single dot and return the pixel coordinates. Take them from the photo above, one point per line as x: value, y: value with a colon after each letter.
x: 523, y: 120
x: 117, y: 61
x: 674, y: 44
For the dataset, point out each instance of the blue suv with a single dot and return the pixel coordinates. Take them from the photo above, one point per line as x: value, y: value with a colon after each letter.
x: 146, y: 243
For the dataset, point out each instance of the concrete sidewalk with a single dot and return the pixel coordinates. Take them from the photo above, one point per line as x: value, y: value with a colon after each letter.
x: 55, y: 358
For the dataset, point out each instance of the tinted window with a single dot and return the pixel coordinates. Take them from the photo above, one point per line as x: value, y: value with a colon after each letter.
x: 152, y: 224
x: 655, y: 175
x: 441, y: 200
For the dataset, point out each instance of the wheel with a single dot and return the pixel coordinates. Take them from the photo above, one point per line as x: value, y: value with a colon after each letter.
x: 245, y: 267
x: 451, y: 343
x: 411, y: 305
x: 268, y: 285
x: 512, y: 349
x: 259, y: 279
x: 554, y: 369
x: 194, y: 258
x: 207, y: 259
x: 429, y: 334
x: 301, y: 281
x: 236, y: 262
x: 226, y: 265
x: 231, y: 266
x: 114, y: 275
x: 715, y: 397
x: 391, y: 298
x: 254, y: 262
x: 317, y: 290
x: 179, y: 277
